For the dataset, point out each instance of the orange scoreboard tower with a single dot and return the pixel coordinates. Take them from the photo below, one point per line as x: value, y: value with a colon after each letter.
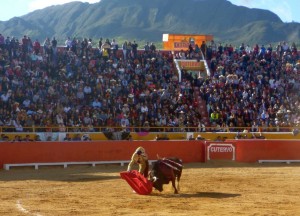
x: 177, y: 42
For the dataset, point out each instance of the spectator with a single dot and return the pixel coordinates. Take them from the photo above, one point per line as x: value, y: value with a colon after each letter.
x: 214, y: 117
x: 17, y: 138
x: 157, y: 137
x: 259, y: 136
x: 152, y: 47
x: 86, y: 137
x: 62, y: 127
x: 129, y: 138
x: 76, y: 137
x: 4, y: 138
x: 36, y: 47
x: 191, y: 137
x: 218, y: 139
x: 68, y: 43
x: 27, y: 138
x: 17, y: 125
x: 67, y: 137
x: 134, y: 49
x: 114, y: 47
x: 147, y: 48
x: 2, y: 42
x: 203, y: 48
x: 199, y: 137
x: 47, y: 47
x: 37, y: 138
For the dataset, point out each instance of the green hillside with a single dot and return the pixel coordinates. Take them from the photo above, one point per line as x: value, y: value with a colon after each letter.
x: 148, y: 20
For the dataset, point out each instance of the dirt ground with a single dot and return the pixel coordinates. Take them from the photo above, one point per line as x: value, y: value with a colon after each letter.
x: 215, y: 188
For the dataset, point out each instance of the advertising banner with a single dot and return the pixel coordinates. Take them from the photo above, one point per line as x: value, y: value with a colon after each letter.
x: 220, y: 151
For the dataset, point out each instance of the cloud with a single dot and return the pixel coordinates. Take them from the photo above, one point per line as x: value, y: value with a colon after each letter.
x: 40, y: 4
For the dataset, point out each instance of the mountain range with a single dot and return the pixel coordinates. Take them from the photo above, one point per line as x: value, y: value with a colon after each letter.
x: 148, y: 20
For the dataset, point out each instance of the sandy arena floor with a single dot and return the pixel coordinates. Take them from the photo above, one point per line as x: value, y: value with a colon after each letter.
x: 216, y: 188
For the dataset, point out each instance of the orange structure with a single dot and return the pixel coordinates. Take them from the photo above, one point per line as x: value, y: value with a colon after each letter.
x: 179, y: 42
x: 192, y: 65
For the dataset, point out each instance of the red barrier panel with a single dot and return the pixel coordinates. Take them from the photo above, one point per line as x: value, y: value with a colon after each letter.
x: 33, y: 152
x: 188, y: 151
x: 254, y: 150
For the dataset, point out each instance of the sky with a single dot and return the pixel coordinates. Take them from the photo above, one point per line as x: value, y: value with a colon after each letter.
x: 287, y: 10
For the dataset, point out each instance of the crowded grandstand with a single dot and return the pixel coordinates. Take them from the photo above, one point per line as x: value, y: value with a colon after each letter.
x: 91, y: 86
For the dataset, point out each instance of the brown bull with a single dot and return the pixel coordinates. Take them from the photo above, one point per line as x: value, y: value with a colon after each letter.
x: 165, y: 170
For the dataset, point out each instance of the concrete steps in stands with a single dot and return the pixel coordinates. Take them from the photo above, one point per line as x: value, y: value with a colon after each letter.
x: 203, y: 112
x: 202, y: 107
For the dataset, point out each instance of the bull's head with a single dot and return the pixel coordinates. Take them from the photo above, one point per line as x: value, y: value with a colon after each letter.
x: 157, y: 184
x: 156, y: 177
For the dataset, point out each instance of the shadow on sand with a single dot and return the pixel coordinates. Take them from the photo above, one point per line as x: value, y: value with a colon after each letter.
x: 214, y: 195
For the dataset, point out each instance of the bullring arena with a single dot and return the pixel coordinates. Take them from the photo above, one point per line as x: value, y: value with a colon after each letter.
x: 218, y: 179
x: 66, y: 159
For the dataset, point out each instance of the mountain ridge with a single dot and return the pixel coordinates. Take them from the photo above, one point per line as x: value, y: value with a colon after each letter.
x: 148, y: 20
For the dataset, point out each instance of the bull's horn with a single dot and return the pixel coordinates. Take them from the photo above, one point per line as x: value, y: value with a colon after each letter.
x: 158, y: 157
x: 155, y: 179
